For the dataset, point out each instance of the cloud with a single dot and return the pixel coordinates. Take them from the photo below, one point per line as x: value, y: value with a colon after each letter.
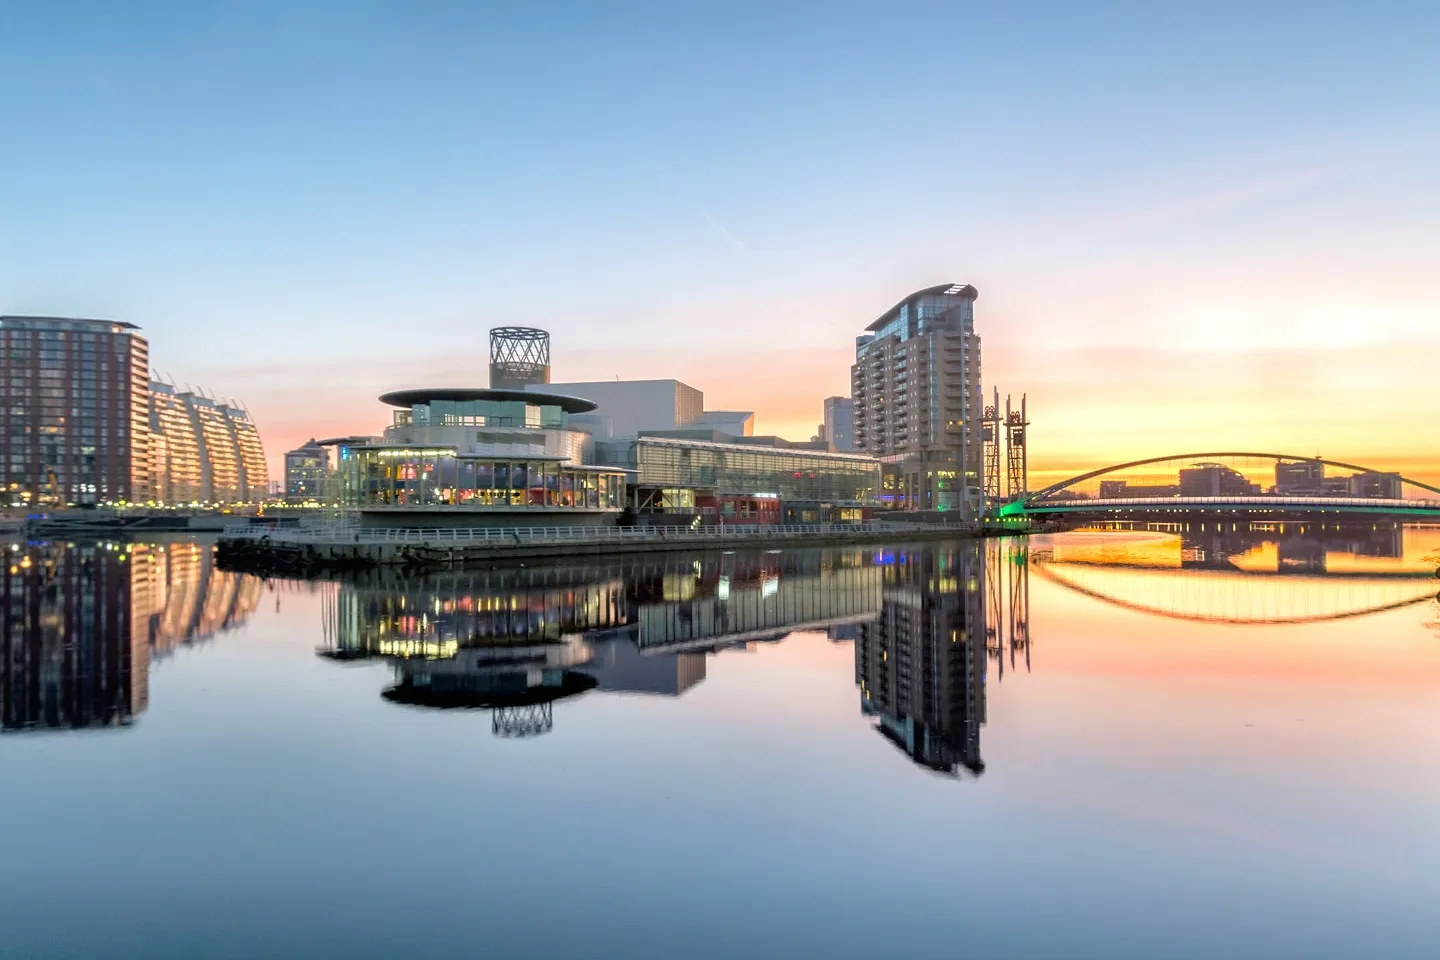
x: 1216, y: 200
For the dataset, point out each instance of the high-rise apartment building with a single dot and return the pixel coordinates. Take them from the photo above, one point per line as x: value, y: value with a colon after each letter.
x: 840, y: 423
x: 915, y: 387
x: 83, y: 423
x: 254, y: 478
x: 204, y: 451
x: 175, y: 450
x: 76, y: 424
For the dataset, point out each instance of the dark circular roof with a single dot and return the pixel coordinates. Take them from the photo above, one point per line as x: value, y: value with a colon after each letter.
x: 463, y: 697
x: 408, y: 398
x: 342, y: 441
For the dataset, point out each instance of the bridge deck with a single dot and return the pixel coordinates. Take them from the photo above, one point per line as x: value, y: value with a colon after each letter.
x: 1237, y: 504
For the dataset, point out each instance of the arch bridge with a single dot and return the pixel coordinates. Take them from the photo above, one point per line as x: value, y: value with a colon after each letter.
x: 1246, y: 485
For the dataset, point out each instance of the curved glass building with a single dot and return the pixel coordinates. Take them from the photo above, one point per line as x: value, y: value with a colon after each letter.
x: 204, y: 451
x: 459, y: 455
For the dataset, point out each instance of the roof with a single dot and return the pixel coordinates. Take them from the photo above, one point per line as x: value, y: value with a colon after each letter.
x: 342, y: 441
x: 964, y: 290
x: 89, y: 320
x: 608, y: 384
x: 756, y: 448
x: 457, y: 453
x: 409, y: 398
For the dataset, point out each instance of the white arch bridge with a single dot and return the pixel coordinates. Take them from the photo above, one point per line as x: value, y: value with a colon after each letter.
x: 1248, y: 485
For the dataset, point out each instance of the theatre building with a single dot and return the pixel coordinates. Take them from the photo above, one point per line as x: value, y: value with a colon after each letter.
x: 717, y: 482
x: 479, y: 457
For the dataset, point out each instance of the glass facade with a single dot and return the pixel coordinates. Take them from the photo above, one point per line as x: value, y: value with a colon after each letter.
x: 481, y: 413
x: 389, y: 476
x: 220, y: 461
x: 914, y: 390
x: 204, y: 452
x: 726, y: 469
x: 253, y: 485
x: 306, y: 470
x: 176, y: 457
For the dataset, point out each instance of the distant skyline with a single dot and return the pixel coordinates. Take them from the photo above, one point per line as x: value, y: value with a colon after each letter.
x: 1191, y: 226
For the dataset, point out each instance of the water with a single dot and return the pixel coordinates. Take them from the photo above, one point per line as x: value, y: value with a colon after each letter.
x: 1123, y: 744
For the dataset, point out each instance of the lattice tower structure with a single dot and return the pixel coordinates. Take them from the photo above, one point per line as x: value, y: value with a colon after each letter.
x: 519, y: 356
x: 990, y: 420
x: 1017, y: 466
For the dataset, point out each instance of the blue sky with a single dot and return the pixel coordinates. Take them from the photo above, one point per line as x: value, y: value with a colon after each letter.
x: 304, y: 204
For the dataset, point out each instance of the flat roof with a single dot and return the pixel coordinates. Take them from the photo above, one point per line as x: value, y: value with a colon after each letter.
x: 964, y: 290
x: 450, y: 448
x: 418, y: 395
x: 344, y: 441
x: 8, y: 318
x: 757, y: 448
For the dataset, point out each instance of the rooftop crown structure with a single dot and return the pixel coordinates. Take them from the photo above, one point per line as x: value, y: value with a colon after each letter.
x: 519, y: 356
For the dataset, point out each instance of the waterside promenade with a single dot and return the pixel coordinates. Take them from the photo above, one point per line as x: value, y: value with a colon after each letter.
x: 342, y: 546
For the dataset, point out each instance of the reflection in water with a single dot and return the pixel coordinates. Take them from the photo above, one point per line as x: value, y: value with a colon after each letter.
x: 1137, y: 743
x: 84, y: 621
x: 517, y: 640
x: 1245, y: 574
x: 920, y: 666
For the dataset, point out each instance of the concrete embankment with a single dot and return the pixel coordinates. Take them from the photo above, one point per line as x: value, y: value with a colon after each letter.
x: 296, y: 554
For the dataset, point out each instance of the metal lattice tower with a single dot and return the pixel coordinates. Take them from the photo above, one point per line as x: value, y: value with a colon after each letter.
x: 990, y: 424
x: 1018, y: 469
x: 526, y: 720
x: 519, y: 356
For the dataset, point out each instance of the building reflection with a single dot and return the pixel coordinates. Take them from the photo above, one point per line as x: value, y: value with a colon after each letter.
x: 518, y: 640
x: 921, y: 666
x: 1298, y: 548
x: 84, y: 621
x: 1237, y: 573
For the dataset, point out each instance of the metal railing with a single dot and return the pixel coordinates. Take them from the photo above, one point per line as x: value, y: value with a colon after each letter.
x: 440, y: 536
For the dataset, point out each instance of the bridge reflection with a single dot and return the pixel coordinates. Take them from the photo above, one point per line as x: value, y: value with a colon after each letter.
x: 1245, y: 574
x: 85, y: 622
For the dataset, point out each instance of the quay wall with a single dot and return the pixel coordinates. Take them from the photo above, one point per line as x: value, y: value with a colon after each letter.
x: 299, y: 556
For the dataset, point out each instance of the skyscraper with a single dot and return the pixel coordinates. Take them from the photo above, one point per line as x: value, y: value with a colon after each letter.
x: 840, y: 423
x: 916, y: 392
x: 77, y: 412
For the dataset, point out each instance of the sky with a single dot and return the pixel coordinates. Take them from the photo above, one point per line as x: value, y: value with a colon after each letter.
x: 1192, y: 226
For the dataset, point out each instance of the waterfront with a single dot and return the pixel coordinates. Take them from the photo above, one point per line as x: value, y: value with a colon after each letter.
x: 1117, y: 744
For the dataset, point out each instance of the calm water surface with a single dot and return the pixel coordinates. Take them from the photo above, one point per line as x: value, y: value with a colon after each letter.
x: 1123, y: 744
